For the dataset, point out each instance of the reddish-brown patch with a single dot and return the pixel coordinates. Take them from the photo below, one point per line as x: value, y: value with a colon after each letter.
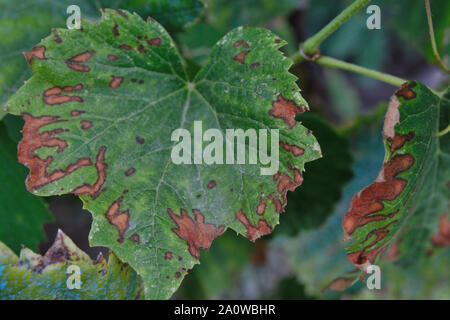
x: 33, y: 140
x: 406, y: 92
x: 211, y: 184
x: 117, y: 218
x: 57, y: 38
x: 135, y: 237
x: 442, y: 238
x: 76, y: 62
x: 285, y: 183
x: 261, y: 206
x: 368, y: 201
x: 168, y: 255
x: 399, y: 140
x: 130, y: 171
x: 295, y: 150
x: 140, y: 140
x: 37, y: 52
x: 177, y: 274
x: 115, y: 82
x: 76, y: 113
x: 86, y: 125
x: 240, y: 57
x: 112, y: 57
x: 101, y: 166
x: 122, y: 13
x: 196, y: 233
x: 141, y: 49
x: 286, y: 110
x: 125, y: 47
x: 255, y: 65
x: 241, y: 42
x: 277, y: 203
x: 115, y: 30
x: 53, y: 95
x: 254, y: 232
x: 154, y: 42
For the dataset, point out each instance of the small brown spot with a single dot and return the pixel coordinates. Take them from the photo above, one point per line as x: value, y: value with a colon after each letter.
x: 177, y: 274
x: 277, y: 40
x: 117, y: 218
x: 405, y: 91
x: 37, y: 52
x: 112, y: 57
x: 86, y: 124
x: 57, y: 38
x: 135, y: 237
x: 141, y: 49
x: 198, y: 196
x: 168, y: 255
x: 122, y: 13
x: 115, y: 30
x: 75, y: 113
x: 130, y: 171
x: 76, y: 62
x: 442, y: 238
x: 211, y: 184
x: 125, y: 47
x: 254, y: 232
x: 286, y: 110
x: 115, y: 82
x: 140, y: 140
x: 255, y: 65
x: 240, y: 57
x: 261, y: 207
x: 180, y: 258
x: 295, y: 150
x: 154, y: 42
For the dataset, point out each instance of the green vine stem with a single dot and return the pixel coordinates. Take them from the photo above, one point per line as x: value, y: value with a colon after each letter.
x: 443, y: 132
x: 338, y: 64
x: 311, y: 45
x: 433, y: 40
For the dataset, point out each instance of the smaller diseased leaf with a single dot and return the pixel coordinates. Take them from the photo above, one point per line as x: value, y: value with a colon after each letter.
x: 32, y: 276
x: 415, y: 168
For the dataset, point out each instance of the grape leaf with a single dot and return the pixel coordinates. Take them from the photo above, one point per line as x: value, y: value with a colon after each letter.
x: 22, y: 214
x: 410, y: 189
x: 24, y: 24
x: 99, y: 111
x: 32, y: 276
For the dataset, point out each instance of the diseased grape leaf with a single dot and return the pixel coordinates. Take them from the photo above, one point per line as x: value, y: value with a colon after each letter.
x: 410, y: 192
x: 35, y: 277
x: 22, y: 214
x: 317, y: 257
x: 100, y: 110
x: 24, y: 23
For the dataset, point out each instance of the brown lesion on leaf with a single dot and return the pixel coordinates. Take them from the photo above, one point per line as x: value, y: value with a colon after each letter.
x: 295, y: 150
x: 115, y: 82
x: 286, y: 110
x: 101, y: 166
x: 112, y: 57
x: 140, y: 140
x: 76, y: 113
x: 122, y: 13
x: 261, y: 206
x: 117, y: 218
x: 254, y: 232
x: 57, y: 38
x: 86, y: 125
x: 211, y: 184
x: 115, y: 30
x: 135, y: 238
x: 125, y: 47
x: 37, y: 52
x: 53, y: 95
x: 241, y: 42
x: 168, y: 255
x: 130, y: 172
x: 196, y: 233
x: 277, y: 203
x: 32, y: 140
x: 285, y: 182
x: 240, y: 57
x: 154, y: 41
x: 255, y: 65
x: 399, y: 140
x: 177, y: 275
x: 442, y: 238
x: 141, y: 49
x: 406, y: 91
x: 77, y: 62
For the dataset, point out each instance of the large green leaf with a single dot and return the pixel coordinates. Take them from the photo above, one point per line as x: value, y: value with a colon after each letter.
x: 24, y: 23
x: 35, y: 277
x: 100, y: 110
x: 22, y: 214
x: 410, y: 192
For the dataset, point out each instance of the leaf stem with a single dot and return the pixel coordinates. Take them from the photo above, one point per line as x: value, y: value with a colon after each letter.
x: 338, y: 64
x: 433, y: 40
x: 311, y: 45
x: 443, y: 132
